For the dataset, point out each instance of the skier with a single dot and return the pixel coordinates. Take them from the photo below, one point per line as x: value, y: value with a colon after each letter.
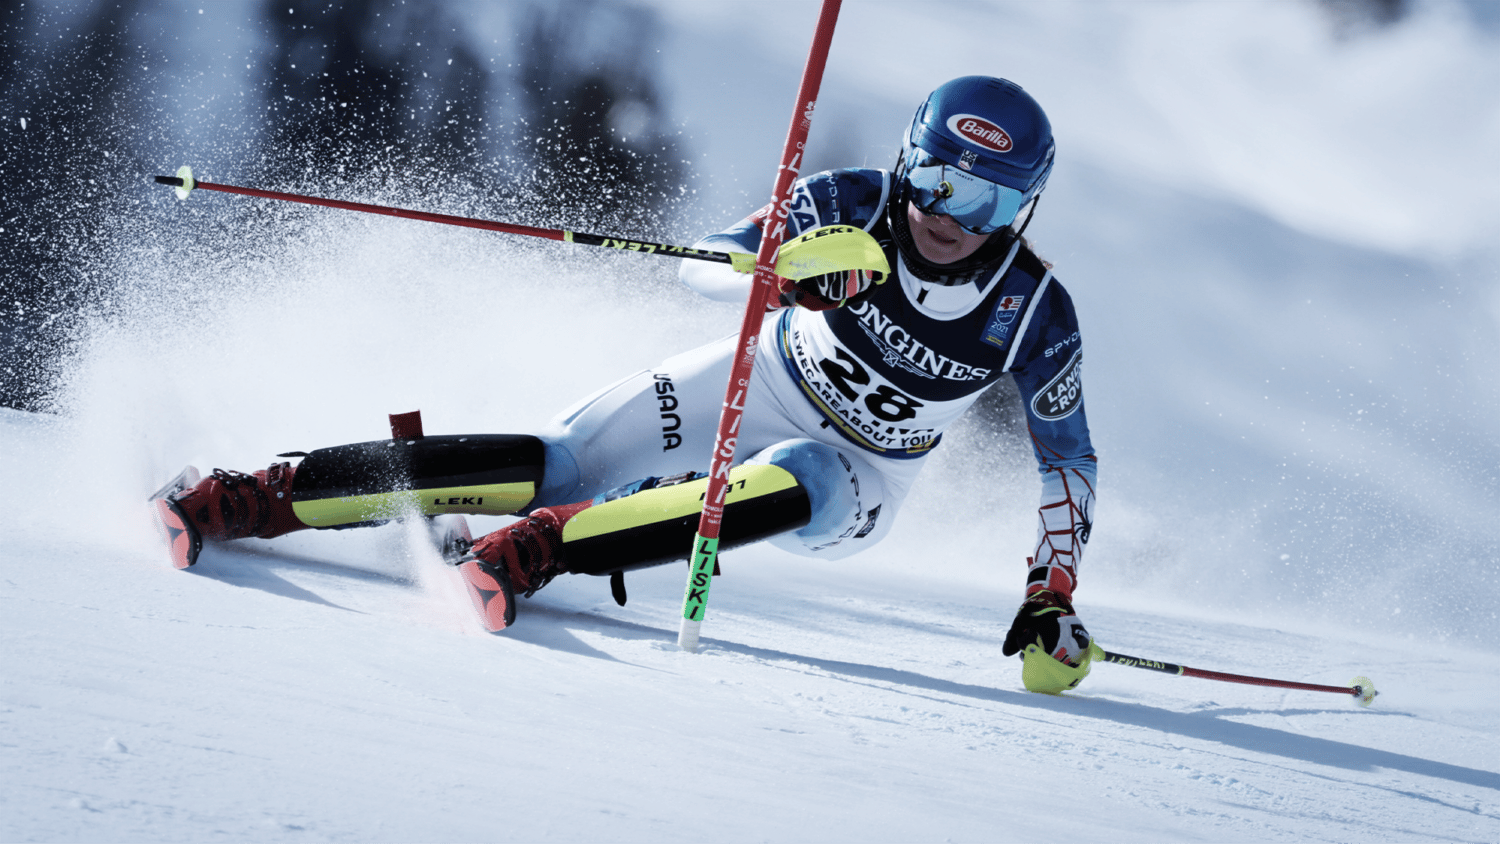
x: 858, y: 374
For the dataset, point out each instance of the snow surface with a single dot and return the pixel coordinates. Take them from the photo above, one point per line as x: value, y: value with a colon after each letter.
x: 1292, y: 325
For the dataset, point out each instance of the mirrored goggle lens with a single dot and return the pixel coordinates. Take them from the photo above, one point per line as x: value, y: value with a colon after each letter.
x: 980, y: 207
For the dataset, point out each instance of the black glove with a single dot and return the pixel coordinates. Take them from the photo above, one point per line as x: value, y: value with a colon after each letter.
x: 829, y: 266
x: 1050, y: 617
x: 828, y: 291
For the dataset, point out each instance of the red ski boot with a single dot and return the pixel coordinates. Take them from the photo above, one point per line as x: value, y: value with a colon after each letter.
x: 517, y: 559
x: 225, y: 505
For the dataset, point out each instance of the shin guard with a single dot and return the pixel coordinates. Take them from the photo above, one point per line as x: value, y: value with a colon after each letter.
x: 489, y: 474
x: 657, y: 526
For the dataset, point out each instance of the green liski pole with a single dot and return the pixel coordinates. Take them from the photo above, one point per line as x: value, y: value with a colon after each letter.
x: 706, y: 543
x: 700, y: 578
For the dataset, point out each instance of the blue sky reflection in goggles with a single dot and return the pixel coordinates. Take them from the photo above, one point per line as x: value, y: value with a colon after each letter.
x: 979, y: 206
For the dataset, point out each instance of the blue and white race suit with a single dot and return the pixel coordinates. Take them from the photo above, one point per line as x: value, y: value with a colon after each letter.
x: 852, y: 400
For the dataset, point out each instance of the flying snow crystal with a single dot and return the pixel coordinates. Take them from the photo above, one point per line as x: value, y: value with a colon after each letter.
x: 23, y: 124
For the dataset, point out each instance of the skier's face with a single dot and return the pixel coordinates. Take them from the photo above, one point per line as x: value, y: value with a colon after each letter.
x: 939, y: 239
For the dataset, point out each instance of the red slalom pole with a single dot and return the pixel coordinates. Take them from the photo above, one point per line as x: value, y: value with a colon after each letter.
x: 706, y: 544
x: 1360, y: 687
x: 185, y: 183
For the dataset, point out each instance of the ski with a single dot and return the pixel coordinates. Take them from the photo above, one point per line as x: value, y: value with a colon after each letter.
x: 183, y: 541
x: 490, y: 592
x: 488, y: 587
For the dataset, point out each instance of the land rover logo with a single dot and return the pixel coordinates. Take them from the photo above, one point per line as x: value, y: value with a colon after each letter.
x: 1062, y: 395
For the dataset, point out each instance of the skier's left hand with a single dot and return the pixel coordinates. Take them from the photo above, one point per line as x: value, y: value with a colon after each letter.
x: 1048, y: 616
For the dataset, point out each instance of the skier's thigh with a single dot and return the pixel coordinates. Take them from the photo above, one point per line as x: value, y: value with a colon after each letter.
x: 657, y: 422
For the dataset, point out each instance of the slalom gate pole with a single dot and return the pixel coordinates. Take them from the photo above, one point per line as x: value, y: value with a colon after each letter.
x: 705, y: 552
x: 743, y: 262
x: 1360, y: 688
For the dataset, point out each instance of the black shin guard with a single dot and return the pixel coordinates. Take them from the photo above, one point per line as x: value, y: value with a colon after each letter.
x: 657, y: 526
x: 485, y: 474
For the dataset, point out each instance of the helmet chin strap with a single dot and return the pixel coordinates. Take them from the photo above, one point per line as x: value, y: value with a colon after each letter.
x: 1030, y: 210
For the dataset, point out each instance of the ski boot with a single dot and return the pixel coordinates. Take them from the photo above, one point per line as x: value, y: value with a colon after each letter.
x: 224, y: 505
x: 516, y: 560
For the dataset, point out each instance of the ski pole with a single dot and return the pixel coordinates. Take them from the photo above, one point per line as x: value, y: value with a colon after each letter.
x: 1360, y: 687
x: 706, y: 544
x: 742, y: 262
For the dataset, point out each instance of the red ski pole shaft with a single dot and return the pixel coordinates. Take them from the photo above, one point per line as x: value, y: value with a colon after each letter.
x: 742, y: 262
x: 706, y: 544
x: 1184, y: 671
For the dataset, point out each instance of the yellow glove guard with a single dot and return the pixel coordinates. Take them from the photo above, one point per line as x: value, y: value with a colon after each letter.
x: 1041, y: 673
x: 832, y: 249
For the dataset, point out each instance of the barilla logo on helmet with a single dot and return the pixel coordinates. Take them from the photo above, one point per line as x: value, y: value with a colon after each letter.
x: 980, y: 132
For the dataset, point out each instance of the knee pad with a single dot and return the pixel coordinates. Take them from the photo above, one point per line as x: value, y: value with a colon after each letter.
x: 845, y: 493
x: 483, y: 474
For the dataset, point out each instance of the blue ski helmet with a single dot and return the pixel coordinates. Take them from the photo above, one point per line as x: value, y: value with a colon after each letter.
x: 978, y: 150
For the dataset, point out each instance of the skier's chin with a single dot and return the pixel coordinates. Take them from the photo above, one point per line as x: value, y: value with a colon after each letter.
x: 940, y: 240
x: 940, y: 250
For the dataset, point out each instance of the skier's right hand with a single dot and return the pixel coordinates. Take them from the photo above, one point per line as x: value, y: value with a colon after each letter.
x: 826, y: 292
x: 828, y: 266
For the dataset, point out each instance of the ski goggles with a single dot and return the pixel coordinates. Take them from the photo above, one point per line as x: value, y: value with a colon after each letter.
x: 977, y: 205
